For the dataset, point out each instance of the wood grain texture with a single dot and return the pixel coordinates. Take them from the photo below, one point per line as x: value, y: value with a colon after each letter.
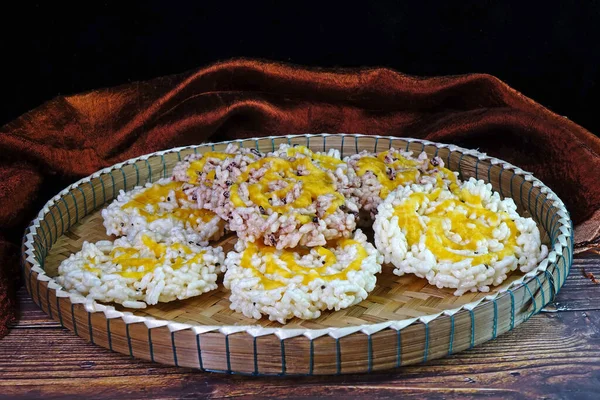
x: 554, y: 355
x: 579, y: 293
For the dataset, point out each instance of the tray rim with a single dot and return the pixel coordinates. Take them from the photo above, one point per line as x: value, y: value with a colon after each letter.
x: 565, y: 231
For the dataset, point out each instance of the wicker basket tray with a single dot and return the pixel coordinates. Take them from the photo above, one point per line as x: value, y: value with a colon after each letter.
x: 403, y: 321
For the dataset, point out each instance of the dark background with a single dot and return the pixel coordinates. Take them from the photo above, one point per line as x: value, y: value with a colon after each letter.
x: 547, y: 50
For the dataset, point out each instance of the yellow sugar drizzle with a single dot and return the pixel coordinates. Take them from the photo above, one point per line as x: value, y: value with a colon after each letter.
x: 197, y: 166
x: 88, y: 267
x: 283, y: 263
x: 316, y: 183
x: 406, y: 170
x: 449, y: 175
x: 323, y: 160
x: 159, y: 193
x: 130, y: 260
x: 470, y: 230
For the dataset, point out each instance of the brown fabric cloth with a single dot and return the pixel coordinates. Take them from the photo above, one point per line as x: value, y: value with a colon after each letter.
x: 73, y: 136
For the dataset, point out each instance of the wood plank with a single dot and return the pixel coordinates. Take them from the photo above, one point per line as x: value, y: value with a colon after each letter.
x: 30, y: 315
x: 579, y: 293
x: 552, y: 355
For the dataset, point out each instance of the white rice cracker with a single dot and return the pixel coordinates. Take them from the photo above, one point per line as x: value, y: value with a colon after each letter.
x: 292, y: 198
x: 466, y: 238
x: 301, y: 282
x: 207, y: 177
x: 160, y: 207
x: 372, y: 176
x: 145, y: 270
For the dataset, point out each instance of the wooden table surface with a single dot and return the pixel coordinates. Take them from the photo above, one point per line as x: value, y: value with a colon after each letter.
x: 554, y: 355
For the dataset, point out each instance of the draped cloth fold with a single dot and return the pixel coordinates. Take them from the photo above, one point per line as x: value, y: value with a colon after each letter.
x: 73, y: 136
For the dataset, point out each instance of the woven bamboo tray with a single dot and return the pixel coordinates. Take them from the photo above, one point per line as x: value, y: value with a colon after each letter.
x: 403, y: 321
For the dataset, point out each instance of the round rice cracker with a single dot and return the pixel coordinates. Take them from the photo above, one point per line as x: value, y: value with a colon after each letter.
x: 373, y: 176
x: 160, y: 207
x: 286, y: 200
x: 143, y: 270
x: 467, y: 239
x: 302, y: 282
x: 208, y: 177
